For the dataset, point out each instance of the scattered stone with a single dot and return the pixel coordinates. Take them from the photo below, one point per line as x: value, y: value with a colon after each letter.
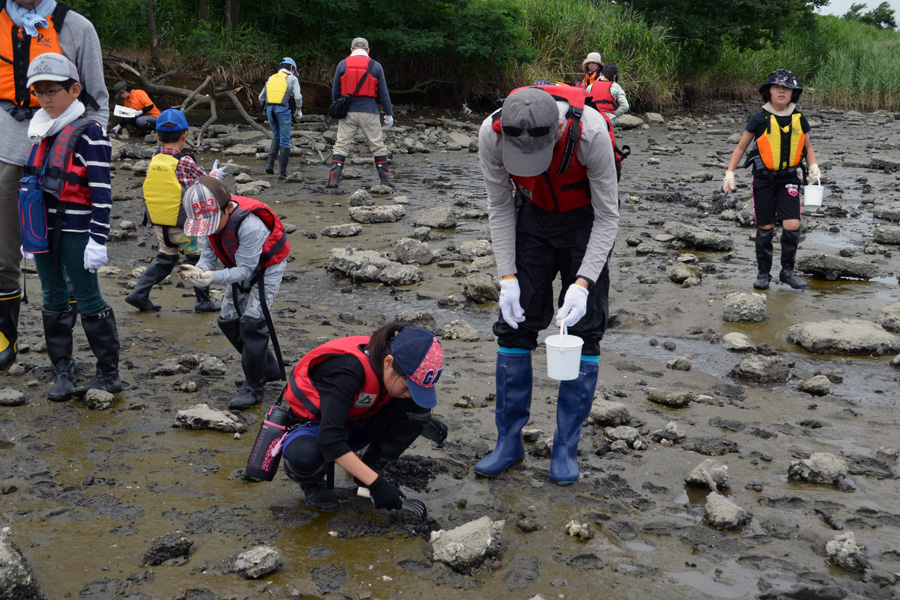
x: 11, y: 397
x: 682, y: 363
x: 96, y: 399
x: 257, y: 562
x: 531, y: 434
x: 168, y: 547
x: 887, y: 234
x: 889, y: 317
x: 361, y: 198
x: 669, y: 435
x: 844, y: 336
x: 820, y: 467
x: 674, y: 397
x: 480, y: 288
x: 473, y: 249
x: 816, y: 386
x: 211, y: 366
x: 439, y: 217
x: 836, y: 267
x: 738, y: 342
x: 463, y: 549
x: 699, y: 238
x: 626, y: 121
x: 366, y: 265
x: 844, y: 552
x: 342, y: 231
x: 460, y: 330
x: 542, y: 448
x: 16, y: 577
x: 744, y: 308
x: 762, y: 369
x: 724, y: 514
x: 604, y: 412
x: 682, y: 272
x: 623, y: 432
x: 709, y: 473
x: 201, y: 416
x: 583, y: 531
x: 377, y: 214
x: 410, y: 251
x: 169, y: 366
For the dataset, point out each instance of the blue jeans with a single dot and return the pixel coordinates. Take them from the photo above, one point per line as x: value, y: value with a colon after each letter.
x: 280, y: 122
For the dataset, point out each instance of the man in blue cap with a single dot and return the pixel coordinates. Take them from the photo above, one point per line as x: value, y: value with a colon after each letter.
x: 281, y: 97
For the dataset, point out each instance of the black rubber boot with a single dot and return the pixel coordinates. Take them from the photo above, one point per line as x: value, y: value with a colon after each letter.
x: 273, y: 154
x: 58, y: 326
x: 203, y: 304
x: 232, y: 330
x: 255, y: 338
x: 337, y: 165
x: 158, y: 270
x: 381, y: 163
x: 9, y: 326
x: 763, y: 257
x: 283, y: 156
x: 789, y: 242
x: 103, y: 337
x: 394, y: 442
x: 313, y: 484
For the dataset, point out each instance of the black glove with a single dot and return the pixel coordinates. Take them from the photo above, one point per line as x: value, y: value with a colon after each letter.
x: 385, y: 495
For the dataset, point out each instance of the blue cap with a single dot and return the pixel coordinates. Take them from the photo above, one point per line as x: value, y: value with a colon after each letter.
x: 171, y: 119
x: 420, y: 356
x: 287, y: 60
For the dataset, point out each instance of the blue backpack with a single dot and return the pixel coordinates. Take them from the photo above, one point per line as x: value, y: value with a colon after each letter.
x: 33, y: 212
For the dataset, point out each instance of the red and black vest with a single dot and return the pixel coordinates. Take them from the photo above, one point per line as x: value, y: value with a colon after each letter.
x: 600, y: 97
x: 225, y: 243
x: 303, y: 397
x: 356, y: 66
x: 63, y: 179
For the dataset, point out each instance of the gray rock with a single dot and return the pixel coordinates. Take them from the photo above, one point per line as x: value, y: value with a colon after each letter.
x: 169, y: 366
x: 623, y: 432
x: 170, y: 546
x: 475, y: 248
x: 410, y: 251
x: 377, y: 214
x: 201, y: 416
x: 340, y: 231
x: 737, y: 342
x: 889, y: 317
x: 883, y: 161
x: 16, y: 577
x: 668, y: 435
x: 682, y: 272
x: 887, y: 234
x: 682, y: 363
x: 888, y: 213
x: 365, y: 265
x: 212, y: 366
x: 11, y: 397
x: 463, y: 549
x: 834, y: 267
x: 626, y: 122
x: 844, y: 552
x: 762, y: 369
x: 709, y: 474
x: 439, y: 217
x: 252, y: 188
x: 361, y: 198
x: 604, y: 412
x: 722, y: 513
x: 744, y: 308
x: 816, y: 386
x: 652, y: 118
x: 844, y: 336
x: 582, y: 531
x: 236, y: 137
x: 460, y: 330
x: 96, y: 399
x: 674, y: 397
x: 820, y: 467
x: 257, y: 562
x: 702, y: 176
x: 481, y: 288
x: 699, y: 238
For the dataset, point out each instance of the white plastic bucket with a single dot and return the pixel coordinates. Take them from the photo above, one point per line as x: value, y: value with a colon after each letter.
x: 812, y: 194
x: 563, y: 356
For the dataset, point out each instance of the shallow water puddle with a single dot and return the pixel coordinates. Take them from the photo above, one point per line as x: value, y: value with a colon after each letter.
x: 730, y: 581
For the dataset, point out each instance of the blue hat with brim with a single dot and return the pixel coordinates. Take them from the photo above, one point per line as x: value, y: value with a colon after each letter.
x: 171, y: 119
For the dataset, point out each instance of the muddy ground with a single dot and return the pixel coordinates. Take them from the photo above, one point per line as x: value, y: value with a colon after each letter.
x: 87, y: 492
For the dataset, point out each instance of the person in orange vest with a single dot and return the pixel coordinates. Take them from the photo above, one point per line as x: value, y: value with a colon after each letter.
x: 591, y: 66
x: 550, y: 174
x: 374, y: 392
x: 136, y: 99
x: 29, y: 28
x: 249, y: 239
x: 363, y: 114
x: 781, y: 135
x: 281, y: 96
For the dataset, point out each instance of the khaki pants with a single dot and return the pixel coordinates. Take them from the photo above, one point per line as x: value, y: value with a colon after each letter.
x: 369, y: 124
x: 176, y: 236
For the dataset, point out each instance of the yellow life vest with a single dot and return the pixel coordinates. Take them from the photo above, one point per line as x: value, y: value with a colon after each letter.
x: 162, y: 190
x: 276, y: 88
x: 782, y: 147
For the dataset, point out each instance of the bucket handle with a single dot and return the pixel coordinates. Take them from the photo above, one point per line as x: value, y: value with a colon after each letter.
x: 563, y: 331
x: 818, y: 182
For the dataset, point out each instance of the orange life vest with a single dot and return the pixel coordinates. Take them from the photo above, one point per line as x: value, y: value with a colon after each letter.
x: 303, y: 397
x: 781, y: 148
x: 225, y: 243
x: 18, y: 49
x: 356, y: 66
x: 63, y: 179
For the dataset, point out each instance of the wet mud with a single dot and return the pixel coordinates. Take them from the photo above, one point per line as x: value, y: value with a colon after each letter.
x: 87, y: 493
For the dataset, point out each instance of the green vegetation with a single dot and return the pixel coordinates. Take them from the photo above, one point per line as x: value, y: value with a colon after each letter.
x: 445, y: 52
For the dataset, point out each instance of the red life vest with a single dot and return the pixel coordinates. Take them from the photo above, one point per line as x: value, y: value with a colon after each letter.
x: 600, y: 97
x: 225, y: 243
x: 63, y: 179
x: 18, y: 49
x: 303, y: 397
x: 356, y: 66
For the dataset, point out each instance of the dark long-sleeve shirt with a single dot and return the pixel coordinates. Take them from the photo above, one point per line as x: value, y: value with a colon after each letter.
x: 358, y: 103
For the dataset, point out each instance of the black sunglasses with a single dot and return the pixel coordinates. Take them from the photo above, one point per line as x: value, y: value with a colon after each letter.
x: 532, y: 131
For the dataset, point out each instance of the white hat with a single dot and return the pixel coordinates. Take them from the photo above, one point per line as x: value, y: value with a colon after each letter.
x: 51, y: 67
x: 592, y: 57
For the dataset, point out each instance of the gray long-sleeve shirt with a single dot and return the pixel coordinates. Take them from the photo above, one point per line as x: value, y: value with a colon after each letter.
x: 293, y: 89
x: 594, y: 152
x: 79, y: 43
x: 252, y: 235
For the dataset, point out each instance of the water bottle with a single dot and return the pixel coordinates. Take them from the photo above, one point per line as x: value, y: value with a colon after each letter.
x: 265, y: 455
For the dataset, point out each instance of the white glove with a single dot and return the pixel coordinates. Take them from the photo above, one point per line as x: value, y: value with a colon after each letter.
x: 510, y: 307
x: 194, y: 276
x: 26, y: 255
x: 574, y: 306
x: 298, y: 114
x: 814, y: 172
x: 117, y: 128
x: 728, y: 182
x: 217, y: 171
x: 388, y: 121
x: 94, y: 256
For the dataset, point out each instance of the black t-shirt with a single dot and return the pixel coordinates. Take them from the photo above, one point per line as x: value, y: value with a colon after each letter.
x: 759, y: 123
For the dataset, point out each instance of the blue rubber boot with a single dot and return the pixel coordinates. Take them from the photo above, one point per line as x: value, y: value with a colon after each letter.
x: 512, y: 412
x: 575, y: 399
